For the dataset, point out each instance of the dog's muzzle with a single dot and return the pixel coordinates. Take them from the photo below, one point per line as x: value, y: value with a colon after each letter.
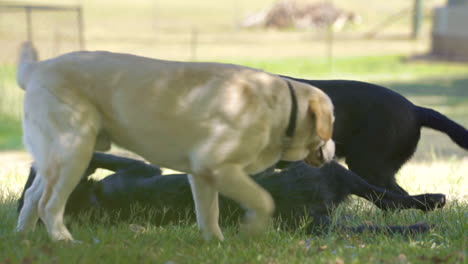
x: 328, y: 151
x: 322, y: 155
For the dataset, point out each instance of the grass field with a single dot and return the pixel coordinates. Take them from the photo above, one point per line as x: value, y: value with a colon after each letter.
x: 438, y: 166
x: 164, y: 29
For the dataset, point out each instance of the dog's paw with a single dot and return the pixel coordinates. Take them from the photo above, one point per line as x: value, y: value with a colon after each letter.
x: 254, y: 223
x: 61, y: 234
x: 432, y: 201
x: 214, y: 234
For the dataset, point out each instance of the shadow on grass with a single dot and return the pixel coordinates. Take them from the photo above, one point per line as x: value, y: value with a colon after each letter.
x: 449, y: 96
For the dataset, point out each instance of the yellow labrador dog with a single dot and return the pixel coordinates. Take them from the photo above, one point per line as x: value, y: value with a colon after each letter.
x: 218, y: 122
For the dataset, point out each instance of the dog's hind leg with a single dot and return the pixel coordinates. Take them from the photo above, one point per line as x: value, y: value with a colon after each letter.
x: 380, y: 172
x: 28, y: 216
x: 61, y: 139
x: 205, y: 197
x: 63, y: 174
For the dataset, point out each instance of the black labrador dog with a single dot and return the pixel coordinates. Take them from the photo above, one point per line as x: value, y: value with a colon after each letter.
x: 299, y: 191
x: 377, y: 130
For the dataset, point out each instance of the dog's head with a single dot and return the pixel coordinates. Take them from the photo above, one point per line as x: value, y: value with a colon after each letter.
x: 322, y: 148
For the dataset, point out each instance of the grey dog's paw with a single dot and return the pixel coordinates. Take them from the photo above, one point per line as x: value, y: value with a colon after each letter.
x: 432, y: 201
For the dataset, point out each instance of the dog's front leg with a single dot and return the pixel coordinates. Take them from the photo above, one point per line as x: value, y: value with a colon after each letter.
x: 205, y: 197
x: 232, y: 181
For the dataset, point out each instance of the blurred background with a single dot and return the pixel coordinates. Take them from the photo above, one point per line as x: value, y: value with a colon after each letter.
x: 418, y: 48
x: 226, y: 29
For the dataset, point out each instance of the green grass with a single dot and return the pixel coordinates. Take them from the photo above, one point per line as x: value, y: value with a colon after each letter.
x: 10, y: 109
x: 10, y: 134
x: 163, y: 29
x: 438, y: 166
x: 141, y: 242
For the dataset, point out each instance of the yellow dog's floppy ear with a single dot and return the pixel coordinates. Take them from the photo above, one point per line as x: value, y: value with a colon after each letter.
x: 321, y: 107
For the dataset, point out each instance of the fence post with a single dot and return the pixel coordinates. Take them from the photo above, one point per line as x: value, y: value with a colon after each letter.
x: 417, y: 19
x: 79, y: 17
x: 28, y: 23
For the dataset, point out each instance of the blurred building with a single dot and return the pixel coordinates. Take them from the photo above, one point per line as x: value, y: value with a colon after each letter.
x: 450, y: 30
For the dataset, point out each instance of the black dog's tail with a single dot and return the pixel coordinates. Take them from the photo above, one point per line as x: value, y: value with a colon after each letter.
x: 435, y: 120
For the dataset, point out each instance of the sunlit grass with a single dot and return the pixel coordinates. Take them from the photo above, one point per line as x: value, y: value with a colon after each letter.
x: 437, y: 176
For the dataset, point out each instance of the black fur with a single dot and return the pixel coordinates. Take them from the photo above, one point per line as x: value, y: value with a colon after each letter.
x: 298, y: 191
x: 377, y: 130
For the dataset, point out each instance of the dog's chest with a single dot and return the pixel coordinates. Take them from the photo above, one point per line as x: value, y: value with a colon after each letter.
x: 265, y: 159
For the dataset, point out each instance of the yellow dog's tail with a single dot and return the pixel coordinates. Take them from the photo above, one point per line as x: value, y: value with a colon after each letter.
x: 26, y: 62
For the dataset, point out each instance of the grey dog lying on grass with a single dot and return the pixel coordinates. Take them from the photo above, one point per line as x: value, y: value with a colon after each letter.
x: 299, y: 191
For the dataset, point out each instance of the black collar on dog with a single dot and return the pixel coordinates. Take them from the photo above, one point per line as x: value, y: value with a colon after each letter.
x: 293, y: 115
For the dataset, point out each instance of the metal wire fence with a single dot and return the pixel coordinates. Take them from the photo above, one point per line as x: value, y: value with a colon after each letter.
x: 54, y: 29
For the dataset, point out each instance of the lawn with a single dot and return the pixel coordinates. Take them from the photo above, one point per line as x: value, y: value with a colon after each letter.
x: 208, y: 31
x: 438, y: 166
